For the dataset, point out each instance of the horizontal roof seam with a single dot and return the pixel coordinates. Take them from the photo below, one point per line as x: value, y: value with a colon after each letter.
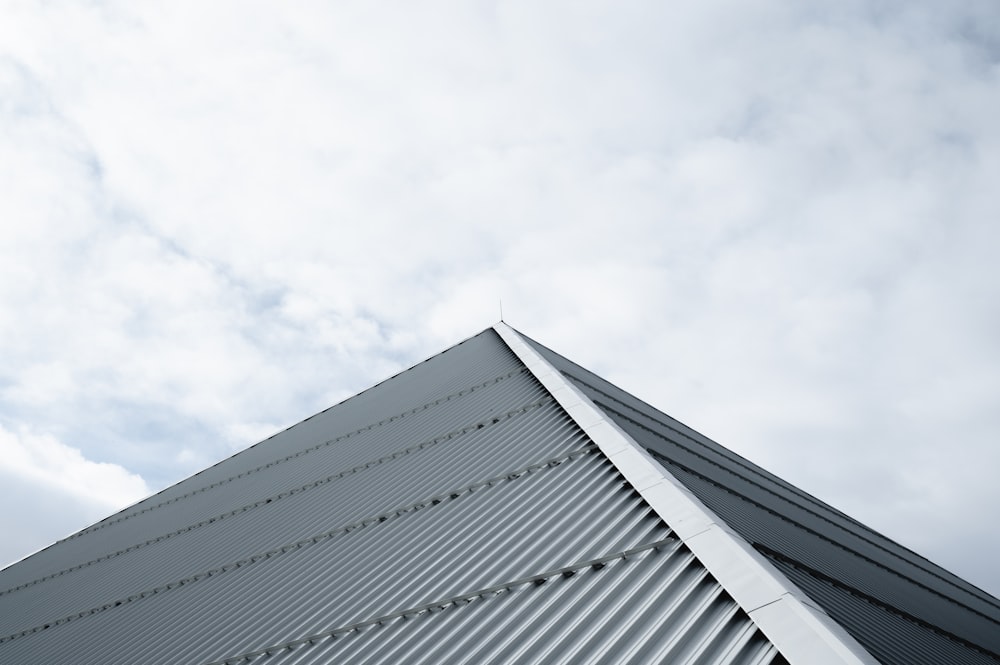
x: 450, y: 436
x: 462, y: 599
x: 312, y: 540
x: 872, y: 600
x: 208, y: 468
x: 823, y: 537
x: 328, y: 442
x: 372, y: 387
x: 329, y: 408
x: 808, y: 510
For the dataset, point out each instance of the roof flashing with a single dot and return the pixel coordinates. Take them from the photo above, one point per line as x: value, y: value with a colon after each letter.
x: 801, y: 630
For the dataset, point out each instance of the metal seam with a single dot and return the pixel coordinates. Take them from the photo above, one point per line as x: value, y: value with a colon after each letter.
x: 312, y: 540
x: 798, y: 492
x: 537, y: 580
x: 736, y: 460
x: 365, y: 428
x: 822, y: 537
x: 493, y: 420
x: 872, y: 600
x: 797, y: 626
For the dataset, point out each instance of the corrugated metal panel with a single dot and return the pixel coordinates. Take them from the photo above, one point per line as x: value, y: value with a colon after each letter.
x: 768, y: 511
x: 801, y: 631
x: 816, y: 550
x: 905, y: 640
x: 377, y: 490
x: 478, y: 497
x: 805, y: 519
x: 656, y: 605
x: 299, y: 455
x: 340, y: 580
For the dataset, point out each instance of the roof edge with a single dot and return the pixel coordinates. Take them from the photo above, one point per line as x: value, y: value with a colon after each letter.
x: 799, y: 628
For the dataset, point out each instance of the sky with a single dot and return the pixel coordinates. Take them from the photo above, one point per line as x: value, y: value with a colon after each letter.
x: 776, y: 221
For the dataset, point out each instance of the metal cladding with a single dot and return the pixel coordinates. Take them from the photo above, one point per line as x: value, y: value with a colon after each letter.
x: 453, y: 513
x: 901, y: 608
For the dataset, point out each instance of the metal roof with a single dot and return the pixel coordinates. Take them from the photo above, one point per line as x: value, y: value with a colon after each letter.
x: 453, y: 513
x: 497, y: 503
x: 902, y: 608
x: 803, y: 632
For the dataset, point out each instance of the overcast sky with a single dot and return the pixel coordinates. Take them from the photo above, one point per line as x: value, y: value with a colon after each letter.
x: 777, y: 221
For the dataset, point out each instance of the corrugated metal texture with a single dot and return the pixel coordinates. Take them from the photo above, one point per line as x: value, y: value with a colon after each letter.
x: 364, y: 459
x: 540, y: 520
x: 690, y: 447
x: 362, y: 429
x: 891, y: 587
x: 536, y: 435
x: 655, y: 606
x: 491, y: 495
x: 894, y: 638
x: 476, y: 361
x: 766, y: 510
x: 806, y: 518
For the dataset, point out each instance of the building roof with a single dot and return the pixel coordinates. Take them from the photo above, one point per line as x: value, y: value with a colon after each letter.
x: 495, y: 503
x: 901, y: 607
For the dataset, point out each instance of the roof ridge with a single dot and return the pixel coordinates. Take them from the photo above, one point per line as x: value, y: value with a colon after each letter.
x: 800, y: 629
x: 873, y: 543
x: 831, y: 541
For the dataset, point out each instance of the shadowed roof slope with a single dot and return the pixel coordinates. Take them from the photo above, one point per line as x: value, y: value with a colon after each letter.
x: 904, y: 609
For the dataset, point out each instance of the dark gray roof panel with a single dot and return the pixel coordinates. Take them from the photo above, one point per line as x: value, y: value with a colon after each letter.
x: 777, y: 517
x: 888, y: 590
x: 894, y: 638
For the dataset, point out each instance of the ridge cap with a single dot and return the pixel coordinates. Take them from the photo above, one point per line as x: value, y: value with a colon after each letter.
x: 801, y: 630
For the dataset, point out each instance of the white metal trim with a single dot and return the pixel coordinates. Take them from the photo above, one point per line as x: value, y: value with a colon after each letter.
x: 801, y: 630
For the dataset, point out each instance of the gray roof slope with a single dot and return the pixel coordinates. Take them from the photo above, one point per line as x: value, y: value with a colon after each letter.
x: 453, y: 513
x: 902, y: 608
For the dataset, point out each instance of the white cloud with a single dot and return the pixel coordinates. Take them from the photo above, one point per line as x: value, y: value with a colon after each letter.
x: 58, y: 490
x: 774, y: 221
x: 46, y: 461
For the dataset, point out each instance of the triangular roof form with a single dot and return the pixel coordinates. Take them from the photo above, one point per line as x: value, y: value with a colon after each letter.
x: 494, y: 503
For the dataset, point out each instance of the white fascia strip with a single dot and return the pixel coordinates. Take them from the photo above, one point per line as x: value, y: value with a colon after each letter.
x: 802, y: 631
